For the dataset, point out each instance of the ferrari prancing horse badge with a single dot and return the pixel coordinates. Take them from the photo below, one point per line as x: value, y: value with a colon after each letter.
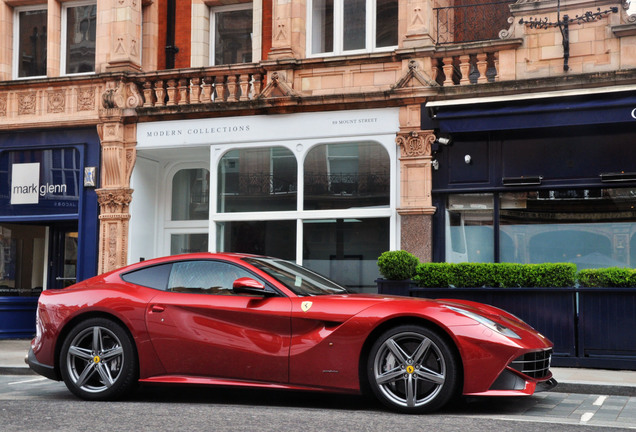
x: 305, y: 306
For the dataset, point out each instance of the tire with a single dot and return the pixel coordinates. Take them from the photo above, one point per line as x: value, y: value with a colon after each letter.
x: 98, y: 360
x: 411, y: 369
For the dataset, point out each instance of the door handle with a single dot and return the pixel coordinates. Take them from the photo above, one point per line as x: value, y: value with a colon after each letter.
x: 155, y: 308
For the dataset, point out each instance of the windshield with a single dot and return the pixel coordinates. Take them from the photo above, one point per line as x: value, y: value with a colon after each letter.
x: 301, y: 281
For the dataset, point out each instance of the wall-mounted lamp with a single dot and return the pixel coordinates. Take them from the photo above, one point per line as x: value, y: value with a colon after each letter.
x: 443, y: 140
x: 435, y: 164
x: 468, y: 159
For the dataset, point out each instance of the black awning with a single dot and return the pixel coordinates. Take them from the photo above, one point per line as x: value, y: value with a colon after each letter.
x: 534, y: 113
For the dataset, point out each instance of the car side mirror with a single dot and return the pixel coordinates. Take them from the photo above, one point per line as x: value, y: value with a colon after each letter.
x: 246, y: 285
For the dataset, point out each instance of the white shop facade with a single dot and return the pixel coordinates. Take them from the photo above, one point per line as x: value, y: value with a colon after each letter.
x: 320, y: 189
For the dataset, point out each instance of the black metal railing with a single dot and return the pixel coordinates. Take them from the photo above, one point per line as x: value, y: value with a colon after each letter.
x: 471, y: 22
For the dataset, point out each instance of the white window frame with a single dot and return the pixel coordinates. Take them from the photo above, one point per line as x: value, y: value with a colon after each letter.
x: 16, y: 39
x: 64, y: 36
x: 179, y: 226
x: 338, y: 29
x: 300, y: 148
x: 230, y: 8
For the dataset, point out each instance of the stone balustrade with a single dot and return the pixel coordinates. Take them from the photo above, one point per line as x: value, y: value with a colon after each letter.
x: 200, y: 86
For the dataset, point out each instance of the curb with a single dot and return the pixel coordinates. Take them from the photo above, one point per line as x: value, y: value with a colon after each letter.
x: 600, y: 389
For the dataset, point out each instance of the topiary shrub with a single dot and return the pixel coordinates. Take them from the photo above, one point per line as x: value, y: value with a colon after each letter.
x: 498, y: 275
x: 398, y: 265
x: 611, y: 277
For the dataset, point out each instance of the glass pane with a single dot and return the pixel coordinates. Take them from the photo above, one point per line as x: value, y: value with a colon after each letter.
x: 191, y: 194
x: 255, y: 180
x: 589, y: 227
x: 188, y: 243
x: 80, y: 38
x: 233, y: 37
x: 346, y: 250
x: 271, y: 238
x: 339, y: 176
x: 322, y: 26
x: 469, y: 228
x: 22, y: 263
x: 386, y: 19
x: 70, y: 258
x: 32, y: 43
x: 355, y: 20
x: 205, y: 277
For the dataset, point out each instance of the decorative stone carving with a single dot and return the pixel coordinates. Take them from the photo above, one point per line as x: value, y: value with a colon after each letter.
x: 114, y: 202
x: 3, y: 105
x: 277, y: 87
x: 413, y: 77
x: 56, y: 102
x: 27, y: 103
x: 415, y: 144
x: 121, y: 95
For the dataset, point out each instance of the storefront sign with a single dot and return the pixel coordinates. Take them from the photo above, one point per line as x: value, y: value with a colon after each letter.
x: 39, y: 182
x: 267, y: 128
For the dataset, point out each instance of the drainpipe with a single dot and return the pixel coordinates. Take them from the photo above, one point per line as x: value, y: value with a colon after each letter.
x: 171, y: 49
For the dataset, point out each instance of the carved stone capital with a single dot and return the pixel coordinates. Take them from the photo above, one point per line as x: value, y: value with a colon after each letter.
x: 415, y: 144
x: 121, y: 95
x: 114, y: 203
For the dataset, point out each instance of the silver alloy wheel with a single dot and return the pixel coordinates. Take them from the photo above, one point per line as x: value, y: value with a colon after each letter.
x: 409, y: 369
x: 94, y: 359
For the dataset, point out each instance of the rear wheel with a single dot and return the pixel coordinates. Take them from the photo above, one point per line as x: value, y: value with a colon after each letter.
x: 412, y: 369
x: 98, y: 360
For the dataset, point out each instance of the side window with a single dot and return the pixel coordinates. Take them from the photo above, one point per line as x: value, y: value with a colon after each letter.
x: 205, y: 277
x: 152, y: 277
x: 30, y: 41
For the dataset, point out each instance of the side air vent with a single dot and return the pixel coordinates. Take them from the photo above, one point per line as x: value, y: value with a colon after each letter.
x: 534, y: 364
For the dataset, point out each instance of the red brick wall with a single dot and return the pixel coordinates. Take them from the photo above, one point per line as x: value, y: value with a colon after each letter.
x: 267, y: 28
x: 183, y: 29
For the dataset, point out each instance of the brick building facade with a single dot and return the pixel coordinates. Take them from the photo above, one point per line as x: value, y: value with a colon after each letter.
x: 312, y: 128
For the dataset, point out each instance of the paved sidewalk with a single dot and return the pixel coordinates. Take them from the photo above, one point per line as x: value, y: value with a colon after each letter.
x: 571, y: 380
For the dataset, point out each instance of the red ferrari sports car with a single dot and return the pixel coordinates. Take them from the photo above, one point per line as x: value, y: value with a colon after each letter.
x: 244, y: 320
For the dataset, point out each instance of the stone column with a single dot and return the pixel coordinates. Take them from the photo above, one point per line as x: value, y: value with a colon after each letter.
x: 118, y: 44
x: 416, y: 23
x: 118, y: 137
x: 288, y: 29
x: 416, y: 208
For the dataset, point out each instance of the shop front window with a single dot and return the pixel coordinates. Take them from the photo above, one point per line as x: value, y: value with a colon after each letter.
x: 469, y: 228
x: 591, y: 228
x: 345, y: 250
x: 339, y: 224
x: 30, y: 42
x: 340, y: 176
x: 191, y: 194
x: 22, y: 259
x: 275, y: 238
x: 258, y: 179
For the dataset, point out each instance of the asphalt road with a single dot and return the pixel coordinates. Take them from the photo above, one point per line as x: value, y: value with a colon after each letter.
x: 29, y: 403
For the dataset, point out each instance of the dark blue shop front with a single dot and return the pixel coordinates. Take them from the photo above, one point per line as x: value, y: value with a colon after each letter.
x: 544, y: 180
x: 48, y: 219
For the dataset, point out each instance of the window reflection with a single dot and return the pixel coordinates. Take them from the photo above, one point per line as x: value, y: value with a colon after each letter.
x: 339, y: 176
x: 32, y: 43
x: 191, y: 194
x: 589, y: 227
x: 271, y: 238
x: 469, y: 228
x: 232, y: 35
x: 260, y: 179
x: 80, y: 38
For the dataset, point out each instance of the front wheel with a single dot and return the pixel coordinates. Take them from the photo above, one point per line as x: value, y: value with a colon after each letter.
x: 412, y: 369
x: 98, y: 360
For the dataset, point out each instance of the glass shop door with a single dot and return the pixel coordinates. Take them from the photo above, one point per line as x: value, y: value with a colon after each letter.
x: 62, y: 255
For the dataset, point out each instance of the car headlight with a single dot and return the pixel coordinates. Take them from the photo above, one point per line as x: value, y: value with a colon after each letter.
x: 492, y: 325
